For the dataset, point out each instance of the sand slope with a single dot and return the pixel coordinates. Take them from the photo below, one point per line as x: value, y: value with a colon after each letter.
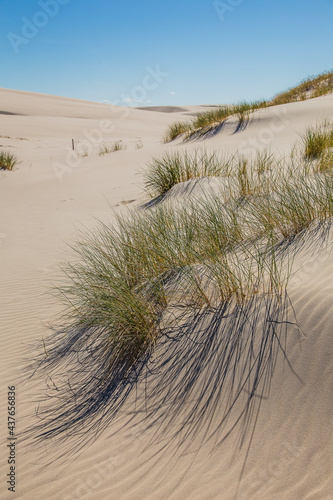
x: 175, y: 447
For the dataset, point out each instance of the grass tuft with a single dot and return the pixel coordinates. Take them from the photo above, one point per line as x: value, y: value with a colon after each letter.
x: 107, y: 149
x: 7, y: 160
x: 325, y: 161
x: 175, y: 167
x: 177, y: 129
x: 318, y: 140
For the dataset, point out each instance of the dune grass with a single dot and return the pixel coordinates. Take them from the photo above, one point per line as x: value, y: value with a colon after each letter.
x: 211, y: 117
x: 211, y: 251
x: 244, y: 109
x: 311, y: 87
x: 318, y: 140
x: 175, y: 167
x: 203, y: 122
x: 118, y: 146
x: 325, y: 161
x: 245, y: 174
x: 128, y: 274
x: 107, y: 149
x: 177, y: 129
x: 7, y: 160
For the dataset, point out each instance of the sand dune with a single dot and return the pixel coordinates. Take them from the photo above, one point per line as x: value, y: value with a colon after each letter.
x: 188, y: 110
x: 176, y: 436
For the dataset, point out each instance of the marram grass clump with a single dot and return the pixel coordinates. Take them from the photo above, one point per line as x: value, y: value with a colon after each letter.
x: 177, y: 129
x: 318, y: 140
x: 175, y: 167
x: 129, y: 274
x: 244, y: 175
x: 7, y: 160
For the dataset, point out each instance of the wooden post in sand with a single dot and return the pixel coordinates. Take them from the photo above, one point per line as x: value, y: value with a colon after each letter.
x: 73, y: 144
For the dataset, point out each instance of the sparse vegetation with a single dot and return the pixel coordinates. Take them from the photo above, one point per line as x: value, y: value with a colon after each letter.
x: 7, y: 160
x: 311, y: 87
x: 111, y: 148
x: 204, y: 122
x: 84, y: 153
x: 118, y: 146
x: 104, y: 150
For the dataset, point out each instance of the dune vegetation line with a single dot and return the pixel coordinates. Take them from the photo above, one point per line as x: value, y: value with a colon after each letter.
x: 204, y: 122
x: 211, y: 250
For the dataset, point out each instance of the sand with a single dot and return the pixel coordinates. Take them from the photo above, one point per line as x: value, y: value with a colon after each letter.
x: 175, y: 446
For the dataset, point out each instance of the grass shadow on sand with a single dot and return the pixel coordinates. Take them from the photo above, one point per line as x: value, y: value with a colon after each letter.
x: 206, y: 378
x: 205, y: 133
x: 210, y: 374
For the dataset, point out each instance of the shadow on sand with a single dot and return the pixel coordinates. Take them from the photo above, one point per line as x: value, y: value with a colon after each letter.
x: 207, y: 377
x: 213, y: 130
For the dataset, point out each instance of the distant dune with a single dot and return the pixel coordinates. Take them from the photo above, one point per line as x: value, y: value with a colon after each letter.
x: 177, y: 109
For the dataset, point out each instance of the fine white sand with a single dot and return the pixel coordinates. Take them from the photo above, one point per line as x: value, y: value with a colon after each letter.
x: 175, y: 446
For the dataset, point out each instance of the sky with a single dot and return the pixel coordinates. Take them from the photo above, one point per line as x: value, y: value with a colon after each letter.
x: 154, y: 52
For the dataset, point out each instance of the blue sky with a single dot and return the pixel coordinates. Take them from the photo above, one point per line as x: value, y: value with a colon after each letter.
x: 152, y: 52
